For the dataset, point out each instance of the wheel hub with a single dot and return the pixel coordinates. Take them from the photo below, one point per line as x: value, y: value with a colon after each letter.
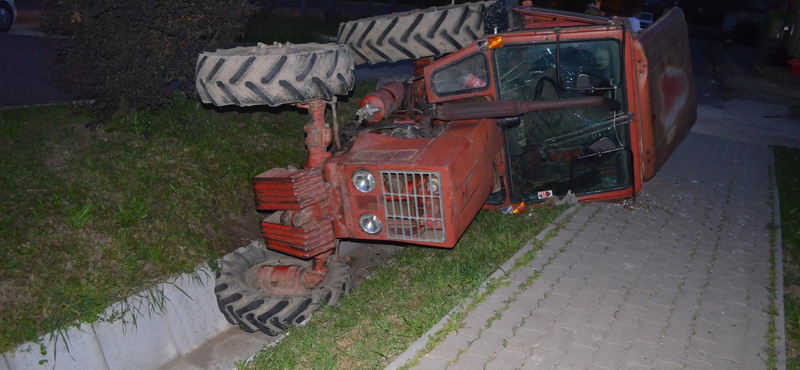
x: 287, y: 279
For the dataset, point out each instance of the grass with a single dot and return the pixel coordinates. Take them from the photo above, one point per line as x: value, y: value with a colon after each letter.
x: 403, y: 299
x: 90, y: 218
x: 787, y: 163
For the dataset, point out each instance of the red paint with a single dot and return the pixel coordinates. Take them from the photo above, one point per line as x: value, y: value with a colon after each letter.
x: 386, y: 100
x: 463, y: 155
x: 318, y: 134
x: 665, y: 113
x: 291, y: 277
x: 673, y: 90
x: 472, y: 81
x: 795, y: 66
x: 299, y: 225
x: 320, y: 202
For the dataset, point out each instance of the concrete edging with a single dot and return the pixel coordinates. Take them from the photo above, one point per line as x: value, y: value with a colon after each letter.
x: 190, y: 316
x: 780, y: 320
x: 146, y: 340
x: 423, y: 341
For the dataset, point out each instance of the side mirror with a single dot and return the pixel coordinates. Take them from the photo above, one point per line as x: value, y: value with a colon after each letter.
x: 591, y: 85
x: 508, y: 123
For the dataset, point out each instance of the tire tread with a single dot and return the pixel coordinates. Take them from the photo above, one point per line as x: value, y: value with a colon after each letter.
x: 415, y: 34
x: 246, y: 77
x: 253, y: 310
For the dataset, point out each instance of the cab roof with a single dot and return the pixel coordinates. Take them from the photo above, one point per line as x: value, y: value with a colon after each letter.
x: 538, y: 18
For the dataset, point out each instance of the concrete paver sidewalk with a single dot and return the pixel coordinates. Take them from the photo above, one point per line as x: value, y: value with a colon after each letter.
x: 680, y: 280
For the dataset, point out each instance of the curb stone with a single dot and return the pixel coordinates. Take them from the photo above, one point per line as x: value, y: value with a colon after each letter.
x: 153, y: 340
x: 174, y: 338
x: 148, y: 340
x: 780, y: 320
x: 423, y: 341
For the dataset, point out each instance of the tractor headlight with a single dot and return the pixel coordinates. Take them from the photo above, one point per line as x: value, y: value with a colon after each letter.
x: 370, y: 223
x: 364, y: 181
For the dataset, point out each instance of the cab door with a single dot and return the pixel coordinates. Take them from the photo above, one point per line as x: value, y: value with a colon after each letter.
x: 668, y: 81
x: 584, y: 150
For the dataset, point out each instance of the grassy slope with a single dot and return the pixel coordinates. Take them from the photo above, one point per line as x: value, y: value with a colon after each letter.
x: 403, y: 299
x: 788, y: 176
x: 92, y: 217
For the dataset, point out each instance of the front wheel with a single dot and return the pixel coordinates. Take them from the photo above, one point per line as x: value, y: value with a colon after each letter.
x: 245, y: 303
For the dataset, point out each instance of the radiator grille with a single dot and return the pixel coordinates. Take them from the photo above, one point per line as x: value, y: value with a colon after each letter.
x: 413, y: 203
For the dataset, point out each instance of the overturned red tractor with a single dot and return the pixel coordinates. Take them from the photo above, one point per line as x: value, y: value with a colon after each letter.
x: 539, y: 105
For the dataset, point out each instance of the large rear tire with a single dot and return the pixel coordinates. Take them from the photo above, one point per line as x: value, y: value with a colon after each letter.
x: 415, y: 34
x: 244, y: 304
x: 274, y: 74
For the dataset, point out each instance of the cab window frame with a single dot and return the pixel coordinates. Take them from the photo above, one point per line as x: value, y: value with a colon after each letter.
x: 620, y: 42
x: 515, y: 196
x: 489, y: 76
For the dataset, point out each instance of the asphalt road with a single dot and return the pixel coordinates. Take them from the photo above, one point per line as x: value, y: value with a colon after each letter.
x: 25, y: 68
x: 26, y: 61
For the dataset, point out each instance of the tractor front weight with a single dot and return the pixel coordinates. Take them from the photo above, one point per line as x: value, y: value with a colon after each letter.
x: 298, y: 199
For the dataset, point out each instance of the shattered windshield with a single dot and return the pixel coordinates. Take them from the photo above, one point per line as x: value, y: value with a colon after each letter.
x: 581, y: 149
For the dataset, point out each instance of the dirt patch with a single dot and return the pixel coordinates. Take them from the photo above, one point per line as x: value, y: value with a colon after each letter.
x: 72, y: 139
x: 242, y: 229
x: 793, y: 290
x: 9, y: 292
x: 364, y: 258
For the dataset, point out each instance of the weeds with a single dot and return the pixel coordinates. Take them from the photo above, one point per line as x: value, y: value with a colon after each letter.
x: 79, y: 216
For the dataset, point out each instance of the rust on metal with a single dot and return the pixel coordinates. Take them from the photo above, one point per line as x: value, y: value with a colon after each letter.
x: 508, y: 108
x: 289, y: 277
x: 318, y: 134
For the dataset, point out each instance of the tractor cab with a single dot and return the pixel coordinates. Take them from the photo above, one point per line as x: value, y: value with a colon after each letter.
x: 584, y: 149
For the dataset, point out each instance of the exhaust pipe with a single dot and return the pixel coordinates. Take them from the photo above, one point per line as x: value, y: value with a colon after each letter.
x: 513, y: 108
